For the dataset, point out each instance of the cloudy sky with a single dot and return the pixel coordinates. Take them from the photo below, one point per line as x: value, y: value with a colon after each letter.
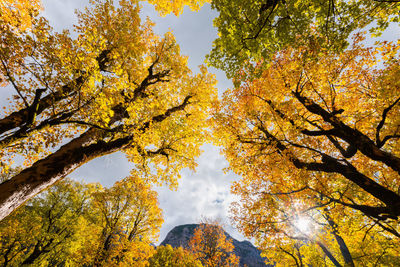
x: 201, y: 193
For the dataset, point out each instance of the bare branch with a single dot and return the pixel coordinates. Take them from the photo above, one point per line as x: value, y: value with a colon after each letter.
x: 380, y: 143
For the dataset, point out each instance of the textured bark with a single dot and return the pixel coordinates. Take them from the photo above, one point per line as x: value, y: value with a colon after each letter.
x: 47, y: 171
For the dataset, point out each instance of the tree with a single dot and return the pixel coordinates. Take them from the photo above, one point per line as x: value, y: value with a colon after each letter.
x: 115, y: 87
x: 256, y: 29
x: 176, y: 6
x: 173, y: 257
x: 76, y: 224
x: 17, y: 14
x: 130, y: 220
x: 318, y: 129
x: 299, y: 235
x: 50, y: 228
x: 210, y: 245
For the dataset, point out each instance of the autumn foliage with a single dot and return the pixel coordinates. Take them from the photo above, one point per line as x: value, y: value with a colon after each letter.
x: 257, y: 29
x: 116, y: 86
x: 311, y: 125
x: 78, y: 224
x: 316, y: 137
x: 51, y: 228
x: 130, y: 219
x: 173, y: 257
x: 17, y: 15
x: 210, y: 245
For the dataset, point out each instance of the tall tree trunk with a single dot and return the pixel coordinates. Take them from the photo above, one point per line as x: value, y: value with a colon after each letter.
x: 33, y: 256
x: 47, y: 171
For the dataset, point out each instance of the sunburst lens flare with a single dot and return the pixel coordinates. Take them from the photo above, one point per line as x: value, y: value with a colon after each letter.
x: 303, y: 225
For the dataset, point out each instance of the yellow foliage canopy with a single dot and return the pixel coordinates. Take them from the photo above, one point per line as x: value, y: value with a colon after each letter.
x: 17, y: 14
x: 130, y: 219
x: 173, y: 257
x: 176, y: 6
x: 115, y: 87
x: 317, y: 136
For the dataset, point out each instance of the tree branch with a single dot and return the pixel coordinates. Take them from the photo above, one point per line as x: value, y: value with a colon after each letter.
x: 332, y: 165
x: 292, y: 256
x: 21, y: 117
x: 70, y: 156
x: 11, y: 78
x: 352, y: 136
x: 380, y: 143
x: 348, y: 259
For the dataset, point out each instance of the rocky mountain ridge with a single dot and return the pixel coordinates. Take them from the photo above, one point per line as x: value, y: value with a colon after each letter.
x: 249, y: 255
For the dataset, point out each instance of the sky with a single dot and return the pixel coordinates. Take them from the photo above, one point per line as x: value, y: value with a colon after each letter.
x: 204, y: 193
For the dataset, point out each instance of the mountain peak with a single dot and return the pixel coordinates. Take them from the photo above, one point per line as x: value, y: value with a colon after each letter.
x: 249, y: 255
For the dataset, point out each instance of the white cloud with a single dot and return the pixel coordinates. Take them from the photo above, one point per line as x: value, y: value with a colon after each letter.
x: 204, y: 193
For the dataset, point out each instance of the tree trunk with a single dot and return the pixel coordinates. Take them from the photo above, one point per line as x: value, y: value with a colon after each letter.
x: 47, y: 171
x: 33, y: 256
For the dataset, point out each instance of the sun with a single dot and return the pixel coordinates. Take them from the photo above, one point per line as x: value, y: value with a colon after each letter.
x: 303, y: 225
